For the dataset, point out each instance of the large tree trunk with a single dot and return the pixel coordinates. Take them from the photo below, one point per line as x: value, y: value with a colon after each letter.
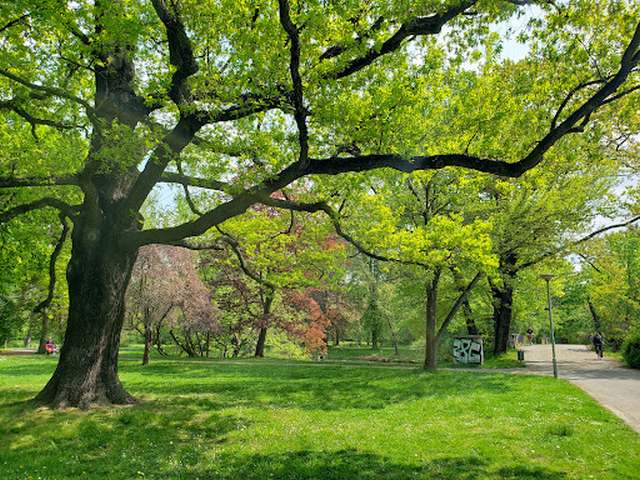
x: 97, y: 276
x: 100, y: 268
x: 502, y: 316
x: 237, y: 345
x: 431, y: 331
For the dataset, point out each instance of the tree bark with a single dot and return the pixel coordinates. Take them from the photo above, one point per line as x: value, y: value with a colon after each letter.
x: 97, y: 277
x: 503, y: 302
x: 502, y: 316
x: 28, y: 337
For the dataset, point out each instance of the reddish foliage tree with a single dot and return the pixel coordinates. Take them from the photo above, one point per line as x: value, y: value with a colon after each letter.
x: 166, y: 290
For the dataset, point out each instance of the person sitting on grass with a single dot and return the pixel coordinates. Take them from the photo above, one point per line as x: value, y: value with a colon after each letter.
x: 50, y: 347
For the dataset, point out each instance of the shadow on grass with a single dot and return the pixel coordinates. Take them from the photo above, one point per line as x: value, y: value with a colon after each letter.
x: 114, y: 443
x: 354, y: 465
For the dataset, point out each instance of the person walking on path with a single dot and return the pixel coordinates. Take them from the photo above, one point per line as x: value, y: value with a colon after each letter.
x: 598, y: 344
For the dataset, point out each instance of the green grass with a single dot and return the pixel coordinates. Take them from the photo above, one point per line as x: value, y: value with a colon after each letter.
x: 270, y: 419
x: 411, y: 355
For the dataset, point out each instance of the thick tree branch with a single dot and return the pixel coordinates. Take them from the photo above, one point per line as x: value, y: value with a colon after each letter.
x: 416, y: 26
x: 177, y: 139
x: 170, y: 146
x: 363, y: 163
x: 13, y: 22
x: 180, y: 51
x: 336, y: 165
x: 46, y: 202
x: 235, y: 246
x: 574, y: 122
x: 13, y: 182
x: 195, y: 247
x: 52, y: 267
x: 217, y: 215
x: 300, y: 114
x: 569, y: 96
x: 189, y: 181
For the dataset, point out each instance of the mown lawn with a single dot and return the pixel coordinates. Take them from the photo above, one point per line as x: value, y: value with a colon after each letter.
x: 272, y: 419
x: 413, y: 355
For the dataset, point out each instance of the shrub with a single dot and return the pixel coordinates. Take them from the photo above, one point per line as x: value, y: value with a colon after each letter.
x: 631, y: 349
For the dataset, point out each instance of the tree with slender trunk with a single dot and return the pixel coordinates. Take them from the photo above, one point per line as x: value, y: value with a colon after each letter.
x: 222, y: 92
x: 437, y: 239
x: 166, y: 290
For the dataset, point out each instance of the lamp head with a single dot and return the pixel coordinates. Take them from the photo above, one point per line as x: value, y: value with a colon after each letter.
x: 546, y: 276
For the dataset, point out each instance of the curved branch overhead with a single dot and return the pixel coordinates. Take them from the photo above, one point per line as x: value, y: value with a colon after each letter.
x: 416, y: 26
x: 46, y: 202
x: 192, y: 117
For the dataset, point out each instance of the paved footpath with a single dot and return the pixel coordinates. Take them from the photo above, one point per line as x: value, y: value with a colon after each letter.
x: 608, y: 381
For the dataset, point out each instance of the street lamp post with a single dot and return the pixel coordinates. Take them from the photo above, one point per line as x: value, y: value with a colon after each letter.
x: 547, y: 278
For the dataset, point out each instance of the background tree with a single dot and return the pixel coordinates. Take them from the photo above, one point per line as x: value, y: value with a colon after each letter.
x: 166, y: 285
x: 279, y: 252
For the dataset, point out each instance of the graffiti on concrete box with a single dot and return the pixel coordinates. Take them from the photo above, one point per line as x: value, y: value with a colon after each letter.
x: 468, y: 350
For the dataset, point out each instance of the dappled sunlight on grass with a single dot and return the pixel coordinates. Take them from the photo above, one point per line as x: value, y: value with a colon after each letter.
x: 296, y: 420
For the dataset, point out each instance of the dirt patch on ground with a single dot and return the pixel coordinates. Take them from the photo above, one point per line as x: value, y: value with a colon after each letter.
x: 17, y: 352
x: 380, y: 358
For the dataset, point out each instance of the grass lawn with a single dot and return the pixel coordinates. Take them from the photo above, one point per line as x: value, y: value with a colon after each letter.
x: 271, y: 419
x: 415, y: 356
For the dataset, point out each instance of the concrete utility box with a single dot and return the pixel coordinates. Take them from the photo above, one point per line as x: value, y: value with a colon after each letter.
x: 468, y: 350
